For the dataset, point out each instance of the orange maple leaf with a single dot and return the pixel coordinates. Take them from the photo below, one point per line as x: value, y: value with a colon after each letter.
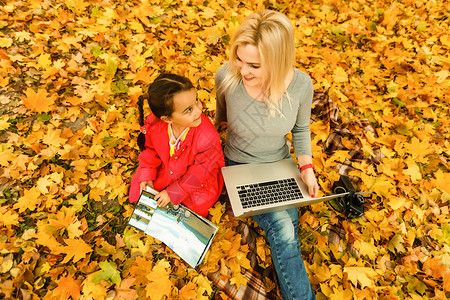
x: 67, y: 287
x: 188, y: 292
x: 124, y: 291
x: 47, y: 240
x: 140, y: 269
x: 38, y: 102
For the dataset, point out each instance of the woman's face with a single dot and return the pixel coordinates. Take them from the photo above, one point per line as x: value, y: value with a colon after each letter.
x: 248, y: 61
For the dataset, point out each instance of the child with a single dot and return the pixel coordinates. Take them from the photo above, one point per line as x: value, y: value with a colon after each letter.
x: 181, y: 153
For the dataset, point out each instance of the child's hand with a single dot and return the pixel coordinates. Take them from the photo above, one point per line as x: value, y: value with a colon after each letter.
x: 144, y: 184
x: 162, y: 198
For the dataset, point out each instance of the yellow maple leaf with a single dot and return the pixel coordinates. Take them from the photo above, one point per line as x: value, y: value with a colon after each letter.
x: 62, y: 219
x: 53, y: 138
x: 38, y: 101
x: 321, y: 272
x: 8, y: 217
x: 6, y: 154
x: 5, y: 42
x: 160, y: 284
x: 365, y: 248
x: 413, y: 171
x: 362, y: 275
x: 96, y: 150
x: 216, y: 212
x: 94, y: 289
x: 396, y: 202
x: 44, y: 61
x: 340, y: 75
x: 4, y: 124
x: 76, y: 249
x: 238, y: 279
x: 382, y: 186
x: 442, y: 75
x: 30, y: 200
x: 204, y: 285
x: 43, y: 183
x: 74, y: 229
x: 442, y: 180
x: 418, y: 148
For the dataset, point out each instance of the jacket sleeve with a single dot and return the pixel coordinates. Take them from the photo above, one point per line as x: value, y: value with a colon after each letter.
x: 207, y: 163
x: 149, y: 162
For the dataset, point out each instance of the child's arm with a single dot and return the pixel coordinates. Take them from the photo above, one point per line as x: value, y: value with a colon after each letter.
x: 149, y: 161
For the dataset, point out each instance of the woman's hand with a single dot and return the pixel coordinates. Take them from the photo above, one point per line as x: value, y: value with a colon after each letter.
x: 309, y: 179
x: 162, y: 198
x: 144, y: 184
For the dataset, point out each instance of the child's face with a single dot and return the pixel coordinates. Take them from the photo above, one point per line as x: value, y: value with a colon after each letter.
x: 187, y: 110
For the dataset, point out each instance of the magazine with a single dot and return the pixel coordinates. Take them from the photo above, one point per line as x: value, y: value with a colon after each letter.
x: 182, y: 230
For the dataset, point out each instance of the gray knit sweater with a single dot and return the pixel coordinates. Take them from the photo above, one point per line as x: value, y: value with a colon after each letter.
x: 253, y: 136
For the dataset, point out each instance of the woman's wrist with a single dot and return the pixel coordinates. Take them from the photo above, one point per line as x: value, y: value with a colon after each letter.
x: 306, y: 166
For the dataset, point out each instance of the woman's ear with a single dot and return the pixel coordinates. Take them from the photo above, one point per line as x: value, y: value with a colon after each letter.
x: 166, y: 119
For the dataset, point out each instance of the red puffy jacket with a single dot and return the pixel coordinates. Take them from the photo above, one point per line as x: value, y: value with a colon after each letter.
x: 192, y: 175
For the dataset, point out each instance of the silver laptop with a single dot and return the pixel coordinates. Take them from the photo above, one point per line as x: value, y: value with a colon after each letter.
x: 259, y: 188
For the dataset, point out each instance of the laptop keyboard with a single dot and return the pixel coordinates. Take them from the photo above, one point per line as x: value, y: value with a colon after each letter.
x: 269, y: 192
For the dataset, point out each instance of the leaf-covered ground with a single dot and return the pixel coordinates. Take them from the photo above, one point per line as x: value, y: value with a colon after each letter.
x: 70, y: 75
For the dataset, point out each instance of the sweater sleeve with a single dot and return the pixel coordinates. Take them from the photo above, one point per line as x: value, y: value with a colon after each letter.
x: 207, y: 162
x: 301, y: 133
x: 221, y: 106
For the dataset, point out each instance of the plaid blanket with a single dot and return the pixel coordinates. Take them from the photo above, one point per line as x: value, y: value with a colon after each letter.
x: 262, y: 282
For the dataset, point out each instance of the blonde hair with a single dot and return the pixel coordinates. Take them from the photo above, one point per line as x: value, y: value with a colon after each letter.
x: 273, y: 34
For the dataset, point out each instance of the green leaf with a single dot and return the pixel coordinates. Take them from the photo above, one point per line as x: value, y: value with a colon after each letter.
x: 398, y: 102
x: 95, y: 11
x: 421, y: 27
x: 445, y: 236
x: 109, y: 272
x: 111, y: 68
x: 96, y: 51
x: 79, y: 202
x: 392, y: 87
x: 415, y: 285
x: 131, y: 238
x: 119, y: 87
x: 404, y: 130
x: 44, y: 117
x: 336, y: 29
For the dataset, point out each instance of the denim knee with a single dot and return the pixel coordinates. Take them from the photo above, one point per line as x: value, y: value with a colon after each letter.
x: 279, y: 226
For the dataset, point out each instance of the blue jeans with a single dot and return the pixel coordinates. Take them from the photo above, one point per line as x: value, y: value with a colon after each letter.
x: 281, y: 230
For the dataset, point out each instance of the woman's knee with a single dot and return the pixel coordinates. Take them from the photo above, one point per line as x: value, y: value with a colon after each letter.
x: 279, y: 227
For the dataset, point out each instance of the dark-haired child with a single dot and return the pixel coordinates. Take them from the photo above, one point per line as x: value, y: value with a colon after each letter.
x: 181, y: 153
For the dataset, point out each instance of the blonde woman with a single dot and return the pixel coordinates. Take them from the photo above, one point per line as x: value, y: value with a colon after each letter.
x: 263, y: 98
